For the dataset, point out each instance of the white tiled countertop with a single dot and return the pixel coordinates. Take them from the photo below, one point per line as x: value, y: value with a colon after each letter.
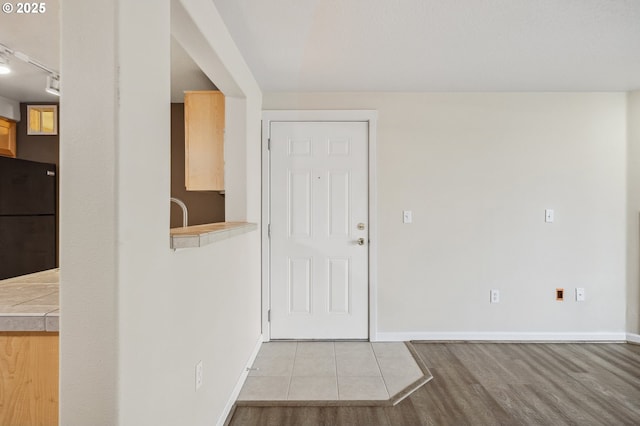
x: 202, y: 235
x: 30, y: 302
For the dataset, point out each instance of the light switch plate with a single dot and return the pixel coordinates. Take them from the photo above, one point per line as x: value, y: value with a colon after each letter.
x: 199, y: 374
x: 580, y: 295
x: 407, y: 216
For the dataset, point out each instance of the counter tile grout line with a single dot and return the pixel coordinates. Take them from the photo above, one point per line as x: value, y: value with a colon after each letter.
x: 39, y: 297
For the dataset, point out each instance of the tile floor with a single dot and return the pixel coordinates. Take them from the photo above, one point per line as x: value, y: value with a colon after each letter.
x: 329, y: 371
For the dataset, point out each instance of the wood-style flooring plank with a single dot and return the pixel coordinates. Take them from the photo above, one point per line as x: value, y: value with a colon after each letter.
x: 522, y: 402
x: 362, y: 416
x: 276, y: 416
x: 403, y: 413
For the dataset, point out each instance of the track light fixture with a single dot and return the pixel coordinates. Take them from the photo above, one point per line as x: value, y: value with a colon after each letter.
x: 53, y: 77
x: 53, y: 84
x: 4, y: 62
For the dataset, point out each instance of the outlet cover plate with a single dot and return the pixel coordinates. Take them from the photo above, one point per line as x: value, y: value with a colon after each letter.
x: 548, y: 215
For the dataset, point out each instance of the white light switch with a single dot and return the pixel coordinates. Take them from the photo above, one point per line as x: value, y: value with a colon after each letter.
x: 199, y: 375
x: 407, y: 217
x: 548, y: 215
x: 580, y: 296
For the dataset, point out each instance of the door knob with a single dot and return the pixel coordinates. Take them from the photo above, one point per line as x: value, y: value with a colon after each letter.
x: 361, y: 226
x: 360, y: 241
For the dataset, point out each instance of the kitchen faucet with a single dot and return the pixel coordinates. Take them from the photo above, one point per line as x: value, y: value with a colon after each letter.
x: 183, y: 206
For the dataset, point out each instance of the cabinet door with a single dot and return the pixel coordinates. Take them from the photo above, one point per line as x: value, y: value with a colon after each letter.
x: 7, y: 138
x: 204, y: 140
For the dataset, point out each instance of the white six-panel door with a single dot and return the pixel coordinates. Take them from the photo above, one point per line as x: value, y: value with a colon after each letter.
x: 319, y: 230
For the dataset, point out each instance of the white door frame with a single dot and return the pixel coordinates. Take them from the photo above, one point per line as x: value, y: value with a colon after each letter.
x: 369, y: 116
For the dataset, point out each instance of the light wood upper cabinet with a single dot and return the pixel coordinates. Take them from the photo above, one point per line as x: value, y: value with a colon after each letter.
x: 7, y: 138
x: 204, y: 140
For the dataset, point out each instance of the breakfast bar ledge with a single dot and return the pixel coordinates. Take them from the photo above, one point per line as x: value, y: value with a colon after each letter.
x: 202, y: 235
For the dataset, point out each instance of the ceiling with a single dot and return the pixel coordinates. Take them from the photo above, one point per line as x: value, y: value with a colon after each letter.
x: 438, y: 45
x: 36, y: 35
x: 389, y: 45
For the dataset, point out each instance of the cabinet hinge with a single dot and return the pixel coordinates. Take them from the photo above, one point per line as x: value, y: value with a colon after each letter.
x: 269, y: 315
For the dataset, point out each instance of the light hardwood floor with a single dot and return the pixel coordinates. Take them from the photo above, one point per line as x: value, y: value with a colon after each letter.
x: 496, y: 384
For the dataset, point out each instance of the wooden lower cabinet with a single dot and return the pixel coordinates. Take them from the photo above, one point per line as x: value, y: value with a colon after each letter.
x: 29, y: 378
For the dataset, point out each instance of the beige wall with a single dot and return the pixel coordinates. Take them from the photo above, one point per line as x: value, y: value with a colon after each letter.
x: 9, y: 109
x: 633, y: 211
x: 478, y: 171
x: 137, y: 316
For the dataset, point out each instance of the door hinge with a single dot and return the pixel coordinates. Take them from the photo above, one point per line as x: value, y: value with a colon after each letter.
x: 269, y: 315
x: 269, y: 231
x: 269, y: 144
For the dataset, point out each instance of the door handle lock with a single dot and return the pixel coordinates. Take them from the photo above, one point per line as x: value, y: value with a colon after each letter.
x: 360, y: 241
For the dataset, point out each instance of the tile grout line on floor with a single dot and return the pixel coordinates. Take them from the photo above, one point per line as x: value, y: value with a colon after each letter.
x: 335, y: 359
x: 293, y: 367
x: 380, y: 368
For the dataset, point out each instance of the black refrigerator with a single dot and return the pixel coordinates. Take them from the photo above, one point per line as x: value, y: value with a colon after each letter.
x: 28, y: 240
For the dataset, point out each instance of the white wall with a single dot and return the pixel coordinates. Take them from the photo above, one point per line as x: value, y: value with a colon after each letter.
x: 9, y: 109
x: 136, y: 316
x: 633, y: 211
x: 478, y: 171
x: 88, y: 222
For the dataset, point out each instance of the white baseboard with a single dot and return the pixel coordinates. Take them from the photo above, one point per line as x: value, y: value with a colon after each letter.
x: 239, y: 384
x: 633, y: 338
x: 502, y: 336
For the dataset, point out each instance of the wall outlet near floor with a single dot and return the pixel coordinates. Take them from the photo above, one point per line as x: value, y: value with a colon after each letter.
x: 495, y: 296
x: 199, y: 375
x: 548, y: 215
x: 580, y: 295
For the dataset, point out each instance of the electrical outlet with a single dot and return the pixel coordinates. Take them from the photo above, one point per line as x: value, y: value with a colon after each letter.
x: 199, y: 375
x: 548, y: 215
x: 495, y: 296
x: 580, y: 295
